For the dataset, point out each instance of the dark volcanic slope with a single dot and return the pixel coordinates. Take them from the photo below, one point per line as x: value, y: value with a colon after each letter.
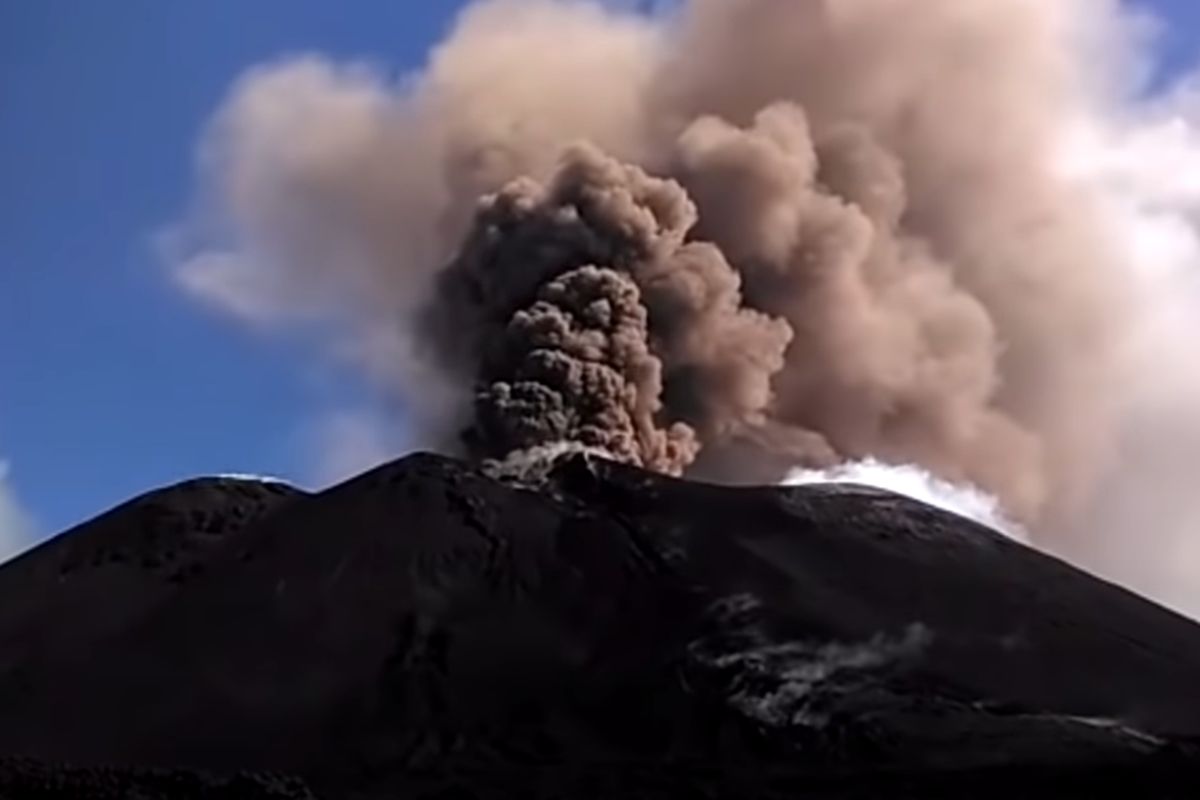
x: 100, y: 577
x: 425, y: 624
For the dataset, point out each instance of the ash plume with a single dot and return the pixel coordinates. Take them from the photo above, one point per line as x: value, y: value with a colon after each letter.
x: 726, y: 240
x: 899, y: 274
x: 574, y: 306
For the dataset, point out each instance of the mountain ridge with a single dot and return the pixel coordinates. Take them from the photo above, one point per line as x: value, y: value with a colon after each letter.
x: 425, y: 622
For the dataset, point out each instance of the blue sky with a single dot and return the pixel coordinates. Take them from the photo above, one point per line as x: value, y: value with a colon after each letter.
x: 111, y: 380
x: 1180, y: 42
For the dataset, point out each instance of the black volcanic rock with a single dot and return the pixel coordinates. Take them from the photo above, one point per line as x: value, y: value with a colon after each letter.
x: 100, y: 577
x: 22, y: 779
x: 426, y: 630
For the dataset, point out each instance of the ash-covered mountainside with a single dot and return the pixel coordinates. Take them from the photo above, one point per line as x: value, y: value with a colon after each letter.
x: 427, y: 630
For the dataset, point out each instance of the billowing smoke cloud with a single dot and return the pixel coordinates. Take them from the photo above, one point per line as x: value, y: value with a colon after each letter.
x: 730, y: 240
x: 589, y: 303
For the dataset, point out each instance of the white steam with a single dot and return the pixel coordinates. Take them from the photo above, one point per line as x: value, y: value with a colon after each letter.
x: 249, y: 477
x: 919, y: 484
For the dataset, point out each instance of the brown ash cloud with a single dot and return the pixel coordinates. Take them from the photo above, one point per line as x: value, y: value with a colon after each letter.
x: 724, y: 241
x: 574, y: 306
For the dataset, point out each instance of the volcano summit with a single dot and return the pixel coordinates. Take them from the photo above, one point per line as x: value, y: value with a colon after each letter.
x: 431, y: 630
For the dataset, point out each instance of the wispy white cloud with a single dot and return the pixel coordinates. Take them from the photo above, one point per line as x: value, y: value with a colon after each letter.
x: 16, y: 525
x: 1142, y: 160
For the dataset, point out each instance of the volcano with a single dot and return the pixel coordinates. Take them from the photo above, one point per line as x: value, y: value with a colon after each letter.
x: 590, y: 630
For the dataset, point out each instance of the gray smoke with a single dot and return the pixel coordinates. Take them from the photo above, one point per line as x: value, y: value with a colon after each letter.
x: 728, y: 240
x: 574, y: 306
x: 605, y: 308
x: 801, y: 268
